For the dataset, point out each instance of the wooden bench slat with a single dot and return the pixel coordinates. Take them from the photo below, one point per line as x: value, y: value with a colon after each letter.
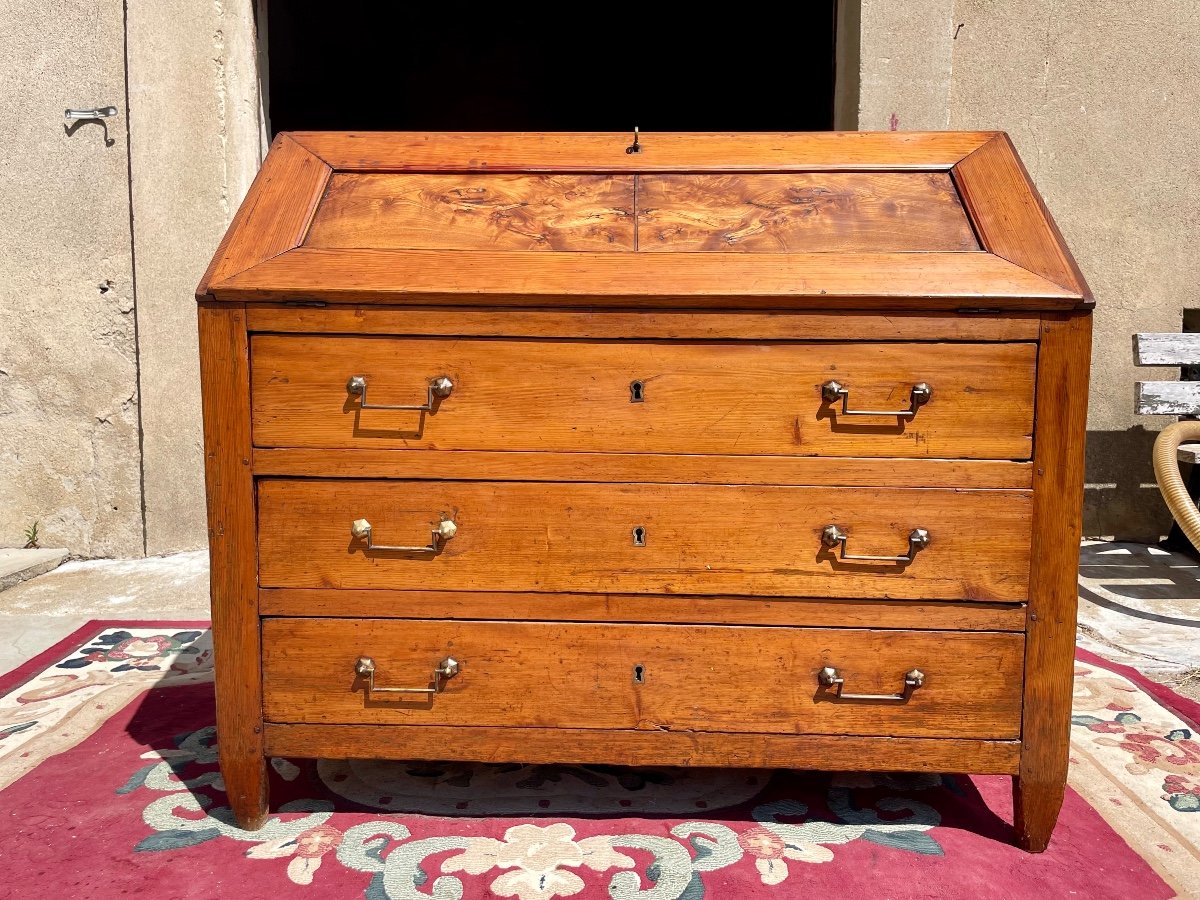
x: 1172, y: 349
x: 1168, y: 398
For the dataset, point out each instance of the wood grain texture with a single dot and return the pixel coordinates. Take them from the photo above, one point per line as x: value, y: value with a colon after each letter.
x: 706, y: 539
x: 1053, y: 591
x: 804, y: 212
x: 1166, y: 398
x: 595, y: 151
x: 724, y: 398
x: 926, y: 281
x: 1011, y: 218
x: 548, y: 746
x: 696, y: 677
x: 820, y: 612
x: 649, y: 468
x: 1170, y: 349
x: 644, y: 324
x: 274, y: 215
x: 225, y: 386
x: 476, y: 212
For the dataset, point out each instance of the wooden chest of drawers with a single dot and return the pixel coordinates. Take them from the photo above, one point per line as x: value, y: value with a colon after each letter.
x: 757, y: 450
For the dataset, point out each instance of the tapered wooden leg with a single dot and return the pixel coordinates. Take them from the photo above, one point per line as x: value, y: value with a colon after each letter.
x: 233, y: 560
x: 1059, y: 436
x: 246, y: 787
x: 1035, y: 811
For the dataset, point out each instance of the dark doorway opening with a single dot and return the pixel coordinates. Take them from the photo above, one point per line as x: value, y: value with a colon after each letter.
x: 377, y: 67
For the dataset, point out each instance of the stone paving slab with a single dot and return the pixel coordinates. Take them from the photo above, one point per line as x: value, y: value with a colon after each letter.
x: 17, y: 565
x: 160, y: 587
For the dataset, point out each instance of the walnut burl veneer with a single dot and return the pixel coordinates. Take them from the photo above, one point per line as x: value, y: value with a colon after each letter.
x: 741, y: 450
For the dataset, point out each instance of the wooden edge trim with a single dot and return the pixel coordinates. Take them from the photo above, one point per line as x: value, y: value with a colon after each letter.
x: 1014, y: 222
x: 589, y: 323
x: 270, y: 221
x: 660, y: 152
x: 648, y: 468
x: 644, y: 608
x: 1057, y: 526
x: 630, y: 747
x: 230, y: 493
x: 935, y: 280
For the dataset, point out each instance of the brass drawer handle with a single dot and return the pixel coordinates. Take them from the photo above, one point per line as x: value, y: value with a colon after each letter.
x: 439, y: 389
x: 829, y: 677
x: 445, y: 530
x: 446, y: 669
x: 833, y: 536
x: 831, y: 391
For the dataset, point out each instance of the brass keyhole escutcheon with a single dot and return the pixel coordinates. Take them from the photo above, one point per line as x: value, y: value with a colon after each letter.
x: 637, y: 392
x: 639, y: 674
x: 639, y: 536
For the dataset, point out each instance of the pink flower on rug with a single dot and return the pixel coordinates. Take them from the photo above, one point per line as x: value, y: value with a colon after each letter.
x: 140, y: 648
x: 1178, y: 784
x: 307, y: 849
x: 772, y: 853
x: 536, y: 854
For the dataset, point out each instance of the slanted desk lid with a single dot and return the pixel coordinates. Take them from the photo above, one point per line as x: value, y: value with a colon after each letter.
x: 826, y: 220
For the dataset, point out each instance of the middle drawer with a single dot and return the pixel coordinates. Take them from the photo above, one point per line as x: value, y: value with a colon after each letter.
x: 645, y: 538
x: 875, y: 399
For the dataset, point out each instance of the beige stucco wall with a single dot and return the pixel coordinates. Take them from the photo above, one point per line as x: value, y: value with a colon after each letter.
x: 69, y: 455
x: 1092, y: 94
x: 101, y: 248
x: 195, y: 129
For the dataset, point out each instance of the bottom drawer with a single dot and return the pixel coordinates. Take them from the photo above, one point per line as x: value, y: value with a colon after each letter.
x: 660, y: 677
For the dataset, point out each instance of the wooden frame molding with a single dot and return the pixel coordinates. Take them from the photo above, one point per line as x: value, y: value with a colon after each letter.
x: 632, y: 748
x: 1024, y: 265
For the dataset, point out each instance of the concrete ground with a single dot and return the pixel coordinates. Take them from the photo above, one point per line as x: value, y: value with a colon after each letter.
x: 44, y: 610
x: 1139, y: 605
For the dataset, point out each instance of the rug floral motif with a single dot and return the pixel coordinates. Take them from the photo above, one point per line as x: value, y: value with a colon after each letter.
x: 534, y: 861
x: 111, y: 740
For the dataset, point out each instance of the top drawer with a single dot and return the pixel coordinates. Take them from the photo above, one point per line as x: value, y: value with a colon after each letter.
x: 646, y: 397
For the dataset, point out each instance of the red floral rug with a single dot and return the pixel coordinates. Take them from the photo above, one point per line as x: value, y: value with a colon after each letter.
x: 109, y: 785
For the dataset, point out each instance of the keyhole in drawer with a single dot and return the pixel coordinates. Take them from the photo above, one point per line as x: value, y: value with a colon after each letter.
x: 639, y: 674
x: 637, y: 392
x: 639, y: 536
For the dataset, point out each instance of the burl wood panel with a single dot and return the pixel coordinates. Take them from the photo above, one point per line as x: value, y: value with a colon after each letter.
x: 476, y: 212
x: 726, y: 398
x: 804, y: 212
x: 699, y: 539
x: 694, y: 677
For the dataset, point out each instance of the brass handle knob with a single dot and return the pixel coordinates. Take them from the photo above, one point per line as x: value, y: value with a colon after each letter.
x: 438, y: 389
x: 833, y: 536
x: 364, y: 667
x: 446, y: 529
x: 829, y: 677
x: 832, y: 391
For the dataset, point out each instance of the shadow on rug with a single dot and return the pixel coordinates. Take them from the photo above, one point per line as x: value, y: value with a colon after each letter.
x: 109, y: 783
